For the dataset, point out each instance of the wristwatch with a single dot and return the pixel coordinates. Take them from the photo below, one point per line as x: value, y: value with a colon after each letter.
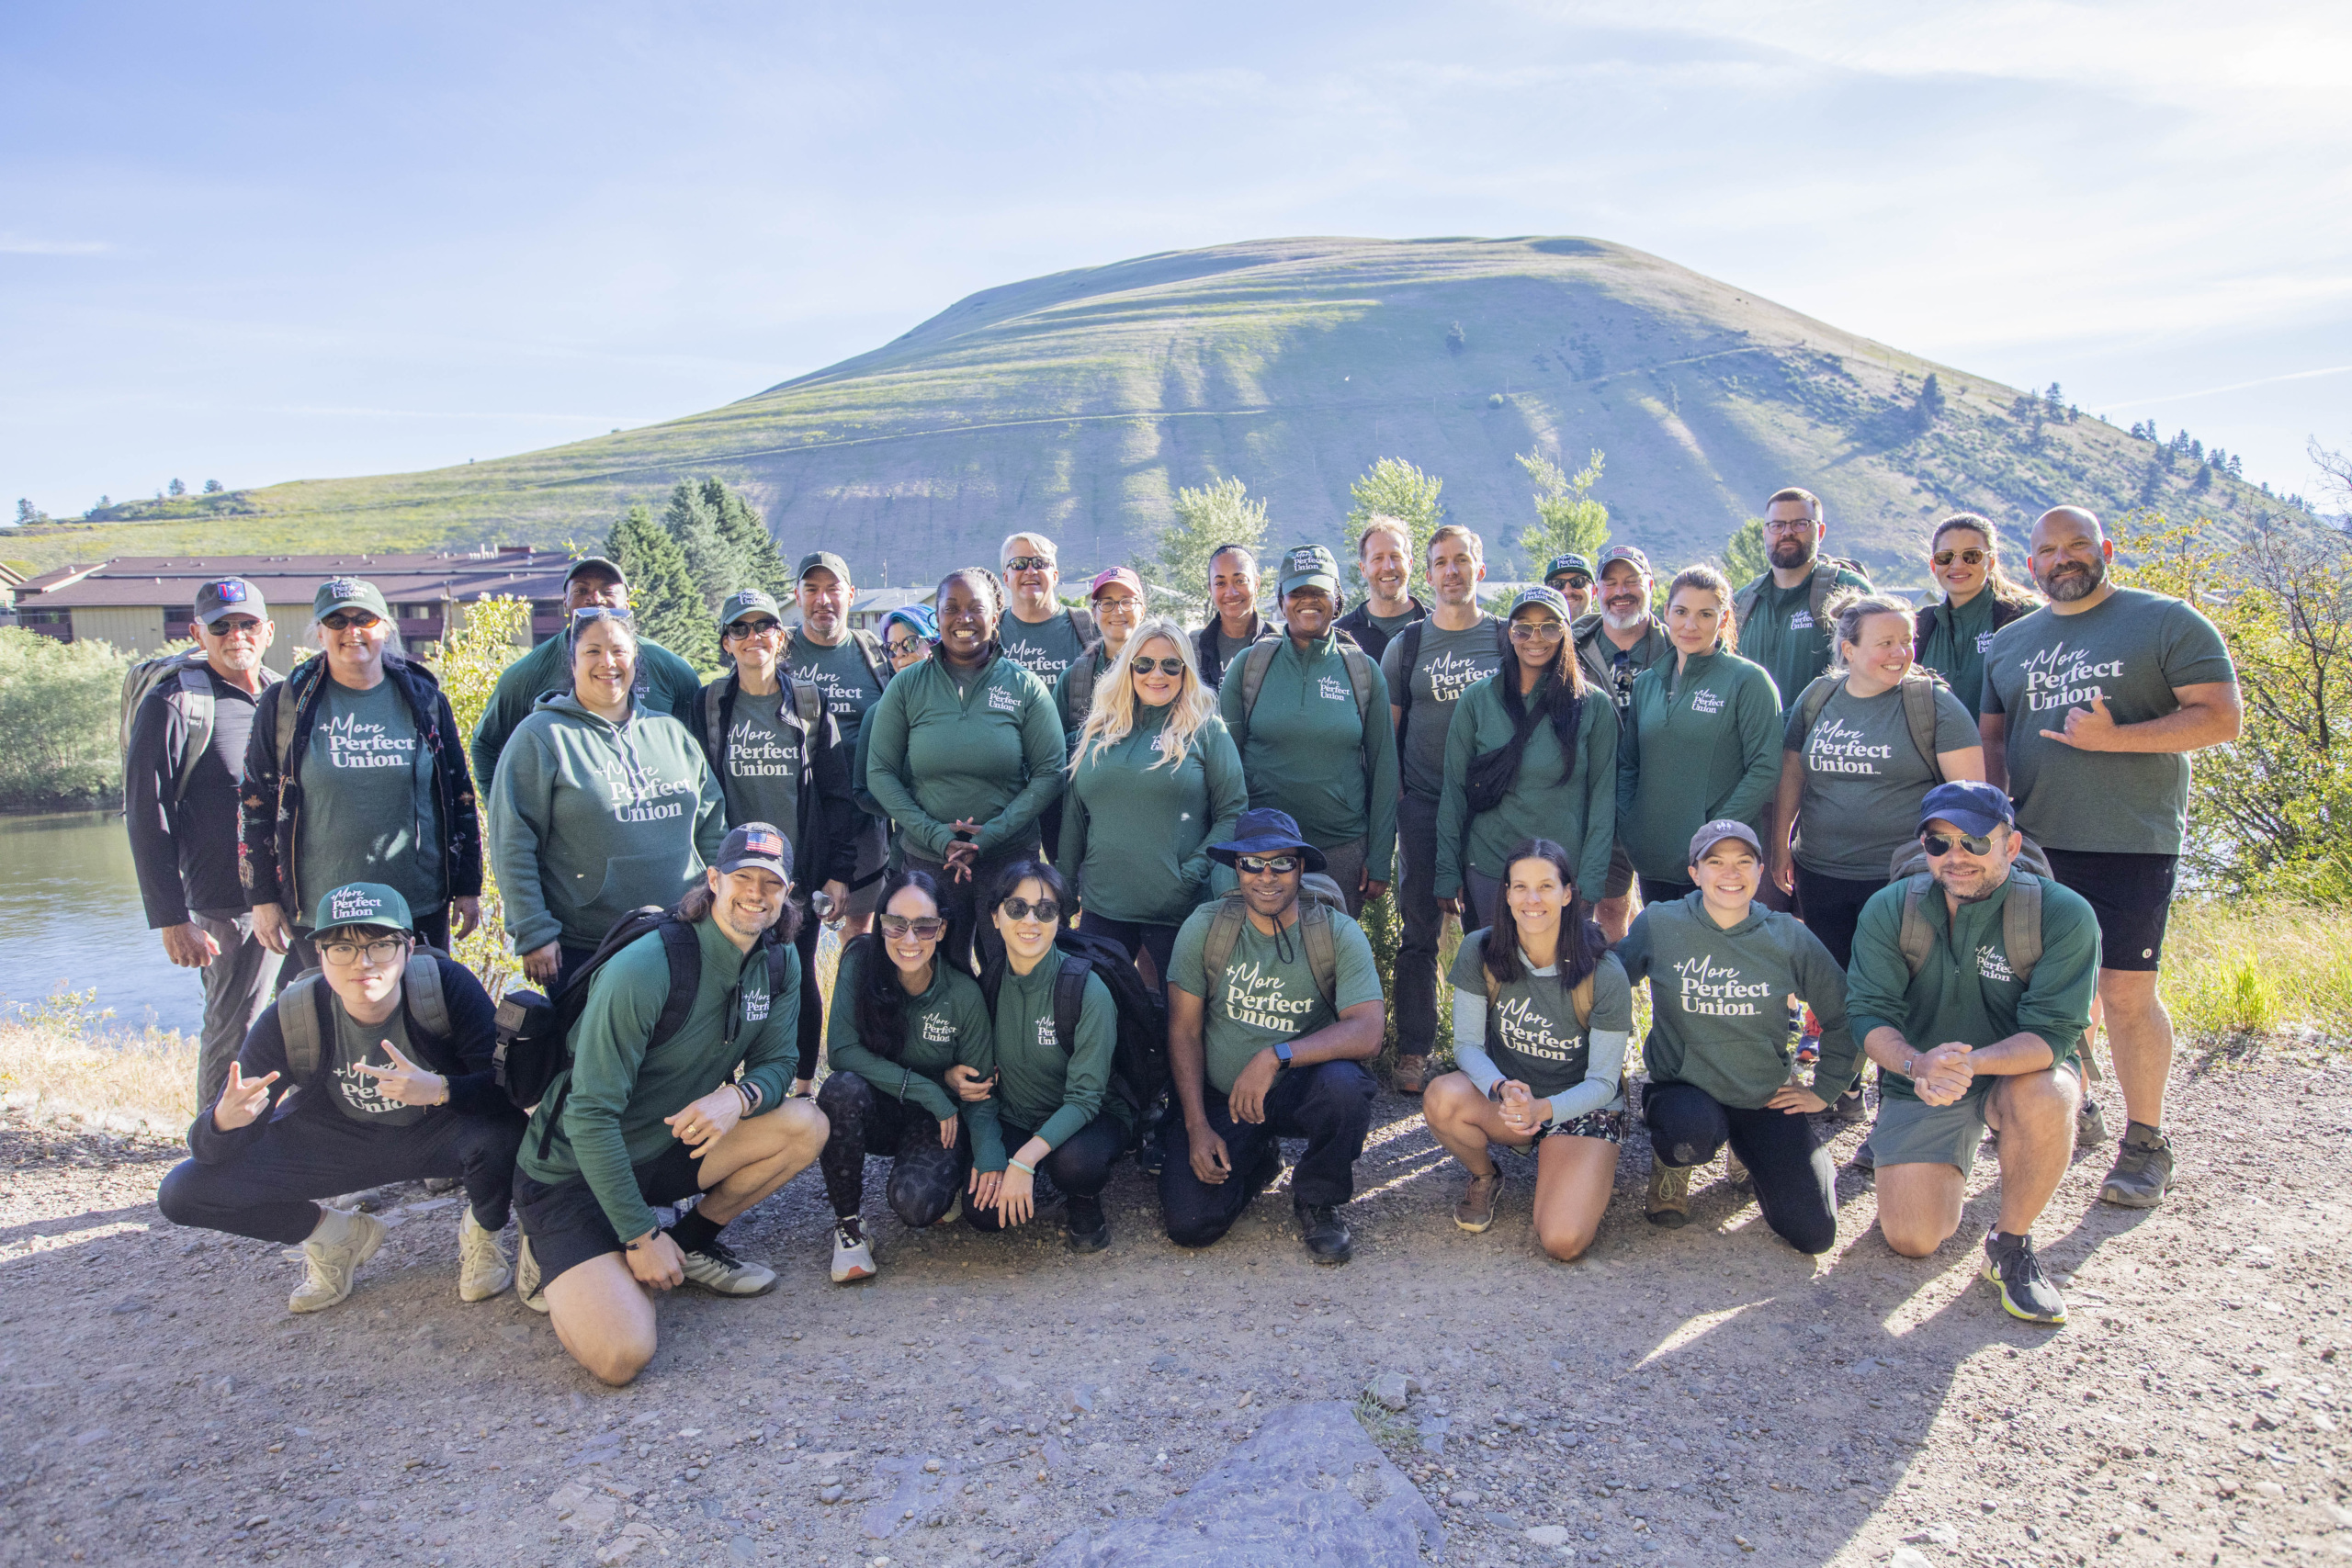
x: 1282, y: 1055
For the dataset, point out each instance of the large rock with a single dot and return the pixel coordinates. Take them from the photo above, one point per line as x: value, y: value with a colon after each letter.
x: 1310, y: 1487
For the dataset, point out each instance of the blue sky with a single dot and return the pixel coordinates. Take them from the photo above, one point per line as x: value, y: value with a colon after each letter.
x: 256, y: 243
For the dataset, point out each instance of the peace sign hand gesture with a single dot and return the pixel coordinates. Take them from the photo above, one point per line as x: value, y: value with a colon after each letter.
x: 405, y: 1083
x: 241, y: 1099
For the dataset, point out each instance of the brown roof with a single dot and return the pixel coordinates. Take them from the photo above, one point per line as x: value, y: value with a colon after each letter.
x: 171, y: 581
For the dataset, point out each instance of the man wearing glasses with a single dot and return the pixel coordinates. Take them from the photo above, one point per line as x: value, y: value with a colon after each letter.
x: 1617, y: 642
x: 1783, y: 615
x: 1269, y: 1046
x: 180, y: 774
x: 1038, y: 632
x: 1570, y: 576
x: 1970, y: 987
x: 849, y: 669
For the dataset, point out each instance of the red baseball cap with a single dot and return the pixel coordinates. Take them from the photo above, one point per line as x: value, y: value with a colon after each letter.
x: 1119, y: 575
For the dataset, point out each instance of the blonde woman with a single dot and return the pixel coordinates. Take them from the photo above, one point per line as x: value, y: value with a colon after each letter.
x: 1154, y: 780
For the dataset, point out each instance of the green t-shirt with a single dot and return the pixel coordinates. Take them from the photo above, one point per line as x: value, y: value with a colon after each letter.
x: 1267, y: 992
x: 1531, y: 1030
x: 368, y: 809
x: 2133, y: 648
x: 1782, y: 635
x: 759, y: 772
x: 838, y: 674
x: 1392, y: 625
x: 1445, y: 665
x: 1044, y: 650
x: 1956, y: 644
x: 1863, y: 778
x: 355, y: 1093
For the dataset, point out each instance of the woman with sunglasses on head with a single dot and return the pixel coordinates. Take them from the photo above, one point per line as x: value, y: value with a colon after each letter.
x: 1526, y: 757
x: 355, y: 772
x: 1154, y: 780
x: 901, y: 1019
x: 964, y: 751
x: 1979, y: 599
x: 600, y: 805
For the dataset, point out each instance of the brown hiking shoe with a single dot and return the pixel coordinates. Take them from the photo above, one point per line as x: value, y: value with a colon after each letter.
x: 1412, y: 1074
x: 1475, y: 1212
x: 1669, y: 1198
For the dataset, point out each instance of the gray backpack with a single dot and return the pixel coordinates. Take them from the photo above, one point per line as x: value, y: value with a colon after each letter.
x: 301, y: 1009
x: 188, y: 670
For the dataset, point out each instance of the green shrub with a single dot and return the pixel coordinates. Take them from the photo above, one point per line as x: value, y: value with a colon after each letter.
x: 59, y: 704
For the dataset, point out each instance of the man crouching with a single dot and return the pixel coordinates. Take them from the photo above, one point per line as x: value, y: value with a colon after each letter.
x: 637, y: 1120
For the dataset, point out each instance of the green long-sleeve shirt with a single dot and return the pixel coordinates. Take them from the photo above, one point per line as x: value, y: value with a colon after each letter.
x: 1040, y: 1085
x: 1700, y: 745
x: 620, y: 1093
x: 947, y: 1024
x: 1136, y: 831
x: 1719, y: 1001
x: 590, y: 819
x: 667, y: 682
x: 1577, y: 812
x: 990, y: 750
x: 1966, y: 990
x: 1307, y: 750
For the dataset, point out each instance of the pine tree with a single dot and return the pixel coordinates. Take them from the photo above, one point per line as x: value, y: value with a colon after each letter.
x: 1745, y: 558
x: 662, y: 590
x: 1394, y: 487
x: 178, y: 489
x: 1570, y: 520
x: 212, y: 486
x: 1929, y: 407
x: 1207, y: 518
x: 745, y: 530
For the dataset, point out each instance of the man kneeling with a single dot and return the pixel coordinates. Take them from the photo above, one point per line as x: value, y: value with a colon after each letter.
x: 379, y: 1065
x: 1996, y: 966
x: 635, y: 1122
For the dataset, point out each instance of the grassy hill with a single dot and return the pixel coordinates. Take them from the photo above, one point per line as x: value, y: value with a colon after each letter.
x: 1079, y: 402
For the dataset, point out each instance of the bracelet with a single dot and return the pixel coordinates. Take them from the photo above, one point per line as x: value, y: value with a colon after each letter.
x: 746, y: 1093
x: 1024, y: 1170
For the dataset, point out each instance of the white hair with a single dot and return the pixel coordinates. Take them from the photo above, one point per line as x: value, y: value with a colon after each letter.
x: 1045, y: 548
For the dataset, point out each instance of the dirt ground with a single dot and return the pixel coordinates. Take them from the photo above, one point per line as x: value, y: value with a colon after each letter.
x: 1698, y: 1396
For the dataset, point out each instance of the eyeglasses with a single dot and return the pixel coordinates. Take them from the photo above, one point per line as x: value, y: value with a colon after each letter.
x: 342, y: 620
x: 343, y: 954
x: 1536, y: 631
x: 905, y: 647
x: 897, y: 928
x: 1267, y: 865
x: 1938, y: 845
x: 1790, y: 525
x: 228, y: 626
x: 1043, y: 909
x: 1577, y: 583
x: 743, y: 631
x: 1165, y: 666
x: 1966, y: 558
x: 1029, y: 563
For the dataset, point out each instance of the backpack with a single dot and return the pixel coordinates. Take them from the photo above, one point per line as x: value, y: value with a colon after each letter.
x: 1918, y: 711
x: 1139, y: 1060
x: 301, y: 1009
x: 1082, y: 672
x: 1822, y: 582
x: 1318, y: 899
x: 533, y: 1044
x: 188, y: 669
x: 1258, y: 658
x: 709, y: 706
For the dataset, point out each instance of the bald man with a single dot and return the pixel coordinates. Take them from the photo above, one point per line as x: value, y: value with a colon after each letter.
x: 2091, y: 706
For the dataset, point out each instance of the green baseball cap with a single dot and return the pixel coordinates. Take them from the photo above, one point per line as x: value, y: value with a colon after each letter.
x: 748, y: 602
x: 1563, y: 565
x: 826, y: 558
x: 348, y: 593
x: 1544, y: 597
x: 1307, y: 565
x: 363, y: 904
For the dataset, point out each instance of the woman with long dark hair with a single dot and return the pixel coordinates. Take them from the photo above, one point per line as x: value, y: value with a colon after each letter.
x: 1526, y: 756
x: 1949, y: 637
x: 1541, y: 1015
x: 901, y: 1019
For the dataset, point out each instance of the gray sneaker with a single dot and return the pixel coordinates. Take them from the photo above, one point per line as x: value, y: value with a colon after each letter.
x: 717, y: 1270
x: 2143, y: 1172
x: 2090, y: 1126
x: 343, y: 1241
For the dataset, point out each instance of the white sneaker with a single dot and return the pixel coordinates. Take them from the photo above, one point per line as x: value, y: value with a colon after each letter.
x: 482, y: 1270
x: 852, y: 1256
x: 526, y: 1279
x: 718, y: 1270
x: 335, y: 1250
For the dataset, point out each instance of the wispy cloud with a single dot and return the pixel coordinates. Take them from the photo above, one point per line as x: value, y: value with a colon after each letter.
x: 2233, y: 387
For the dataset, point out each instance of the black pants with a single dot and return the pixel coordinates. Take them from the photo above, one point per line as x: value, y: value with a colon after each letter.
x: 1832, y: 907
x: 1417, y: 976
x: 1138, y: 938
x: 924, y: 1177
x: 303, y: 954
x: 812, y: 1005
x: 568, y: 962
x: 267, y: 1188
x: 1080, y: 1167
x: 1328, y: 1104
x: 1795, y: 1185
x: 1658, y: 890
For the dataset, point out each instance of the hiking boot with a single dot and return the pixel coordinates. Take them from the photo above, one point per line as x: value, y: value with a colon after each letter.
x: 2026, y: 1290
x: 1735, y: 1172
x: 1090, y: 1227
x: 1863, y: 1158
x: 1324, y: 1233
x: 1475, y: 1212
x: 2143, y: 1172
x: 1669, y: 1198
x: 1411, y: 1076
x: 2090, y: 1125
x: 343, y: 1241
x: 1847, y: 1110
x: 529, y: 1287
x: 716, y: 1269
x: 482, y: 1270
x: 853, y: 1254
x: 1268, y: 1170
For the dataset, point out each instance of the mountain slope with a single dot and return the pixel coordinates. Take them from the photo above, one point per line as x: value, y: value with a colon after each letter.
x: 1078, y: 403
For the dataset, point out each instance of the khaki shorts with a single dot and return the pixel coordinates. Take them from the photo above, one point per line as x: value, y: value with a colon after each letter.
x: 1912, y: 1131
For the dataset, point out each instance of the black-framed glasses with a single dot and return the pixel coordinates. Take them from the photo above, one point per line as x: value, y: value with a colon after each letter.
x: 897, y: 928
x: 1965, y: 557
x: 1043, y: 909
x: 1267, y: 865
x: 228, y: 625
x: 1790, y: 525
x: 1537, y: 631
x: 344, y: 620
x: 1939, y: 845
x: 1165, y: 666
x: 1029, y: 563
x: 743, y: 631
x: 343, y: 954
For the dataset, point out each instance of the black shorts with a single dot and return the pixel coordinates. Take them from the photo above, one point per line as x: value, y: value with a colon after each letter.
x: 1621, y: 874
x: 565, y: 1224
x: 2131, y: 896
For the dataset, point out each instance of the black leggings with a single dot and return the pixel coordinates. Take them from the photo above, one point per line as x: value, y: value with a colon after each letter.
x: 924, y: 1177
x: 1832, y: 907
x: 1138, y: 938
x: 1080, y: 1167
x: 1795, y: 1185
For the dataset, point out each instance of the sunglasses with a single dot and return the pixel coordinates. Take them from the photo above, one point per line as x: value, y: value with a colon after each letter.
x: 897, y: 928
x: 343, y: 954
x: 1537, y: 631
x: 1267, y: 865
x: 905, y: 647
x: 229, y: 625
x: 342, y: 620
x: 1165, y: 666
x: 1043, y: 909
x: 1029, y: 563
x: 743, y: 631
x: 1938, y: 845
x: 1966, y: 558
x: 1578, y: 584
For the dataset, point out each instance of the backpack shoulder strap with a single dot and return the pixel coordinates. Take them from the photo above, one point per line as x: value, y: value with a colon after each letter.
x: 1824, y: 583
x: 1581, y: 998
x: 421, y: 990
x: 2021, y: 924
x: 1256, y: 660
x: 712, y: 701
x: 1082, y: 672
x: 1743, y: 601
x: 1082, y: 622
x: 1070, y: 1000
x: 1322, y: 950
x: 197, y: 713
x: 1217, y: 943
x: 1814, y: 698
x: 1360, y: 673
x: 1401, y: 695
x: 1920, y: 714
x: 683, y: 949
x: 1917, y: 939
x: 809, y: 706
x: 877, y: 659
x: 298, y: 1025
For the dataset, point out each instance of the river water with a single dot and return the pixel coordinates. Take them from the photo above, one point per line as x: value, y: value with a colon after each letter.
x: 71, y: 920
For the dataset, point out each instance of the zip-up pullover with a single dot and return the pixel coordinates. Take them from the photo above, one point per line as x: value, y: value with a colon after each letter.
x: 1308, y: 749
x: 1701, y: 746
x: 1579, y: 813
x: 990, y: 750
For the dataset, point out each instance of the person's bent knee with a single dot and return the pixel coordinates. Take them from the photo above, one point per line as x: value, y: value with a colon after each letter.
x: 1566, y: 1243
x: 175, y: 1198
x: 616, y: 1364
x: 1449, y: 1097
x: 802, y: 1121
x: 2049, y: 1097
x: 841, y: 1090
x: 1813, y: 1239
x: 1912, y: 1239
x: 1196, y: 1235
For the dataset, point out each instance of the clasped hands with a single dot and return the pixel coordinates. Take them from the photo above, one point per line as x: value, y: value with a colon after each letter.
x: 1942, y: 1075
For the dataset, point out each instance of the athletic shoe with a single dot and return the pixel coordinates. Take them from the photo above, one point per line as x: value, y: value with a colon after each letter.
x: 1475, y: 1212
x: 482, y: 1270
x: 716, y: 1269
x: 1411, y: 1076
x: 1089, y: 1226
x: 527, y: 1284
x: 2026, y: 1290
x: 2090, y: 1125
x: 1734, y: 1171
x: 853, y: 1254
x: 2143, y: 1172
x: 1268, y: 1170
x: 1669, y: 1198
x: 1324, y: 1233
x: 343, y: 1241
x: 1863, y: 1158
x: 1848, y: 1110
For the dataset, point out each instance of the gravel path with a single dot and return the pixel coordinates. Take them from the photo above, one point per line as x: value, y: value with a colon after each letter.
x: 1700, y: 1396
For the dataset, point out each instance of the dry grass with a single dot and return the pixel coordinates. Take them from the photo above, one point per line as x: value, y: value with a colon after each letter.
x: 123, y: 1078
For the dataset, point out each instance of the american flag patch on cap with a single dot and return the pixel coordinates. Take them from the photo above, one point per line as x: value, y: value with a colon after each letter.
x: 764, y: 843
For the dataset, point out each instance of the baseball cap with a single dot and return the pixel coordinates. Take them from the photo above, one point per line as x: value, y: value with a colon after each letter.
x: 1563, y: 565
x: 1626, y: 552
x: 825, y: 558
x: 602, y: 563
x: 229, y: 596
x: 1307, y: 565
x: 348, y: 593
x: 363, y: 904
x: 747, y: 601
x: 1548, y: 598
x: 1716, y: 832
x: 759, y: 844
x: 1969, y: 804
x: 1262, y: 830
x: 1119, y: 576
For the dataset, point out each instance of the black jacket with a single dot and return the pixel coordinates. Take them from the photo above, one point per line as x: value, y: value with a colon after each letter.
x: 184, y: 843
x: 1205, y: 647
x: 824, y: 842
x: 1358, y: 624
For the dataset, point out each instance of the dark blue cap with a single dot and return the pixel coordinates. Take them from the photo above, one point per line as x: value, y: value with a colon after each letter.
x: 1969, y: 804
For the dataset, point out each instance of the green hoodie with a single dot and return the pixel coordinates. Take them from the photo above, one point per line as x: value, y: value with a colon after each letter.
x: 1305, y: 748
x: 947, y: 1024
x: 590, y: 819
x: 1042, y: 1087
x: 990, y: 750
x: 1135, y: 833
x: 1699, y: 748
x: 1719, y: 1001
x: 619, y: 1095
x: 1965, y: 991
x: 669, y: 682
x: 1579, y: 813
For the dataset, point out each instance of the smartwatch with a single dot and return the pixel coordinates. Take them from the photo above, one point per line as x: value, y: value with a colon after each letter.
x: 1282, y: 1055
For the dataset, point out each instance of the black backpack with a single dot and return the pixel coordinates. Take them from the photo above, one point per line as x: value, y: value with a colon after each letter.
x: 1139, y: 1061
